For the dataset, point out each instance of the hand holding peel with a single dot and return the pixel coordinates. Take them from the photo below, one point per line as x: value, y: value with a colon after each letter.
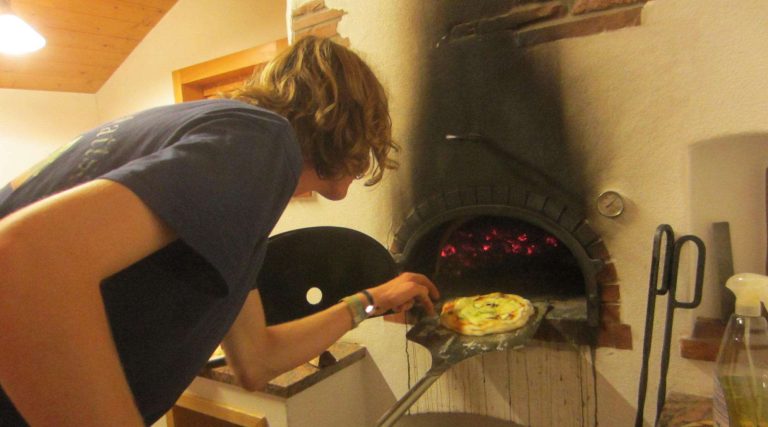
x: 403, y: 292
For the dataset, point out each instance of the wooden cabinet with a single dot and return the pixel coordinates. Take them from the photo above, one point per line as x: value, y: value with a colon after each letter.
x: 194, y: 411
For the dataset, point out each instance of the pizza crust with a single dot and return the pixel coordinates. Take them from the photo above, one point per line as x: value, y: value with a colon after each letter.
x: 486, y: 314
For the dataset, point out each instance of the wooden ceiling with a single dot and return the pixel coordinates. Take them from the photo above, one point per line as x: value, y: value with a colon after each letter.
x: 87, y: 40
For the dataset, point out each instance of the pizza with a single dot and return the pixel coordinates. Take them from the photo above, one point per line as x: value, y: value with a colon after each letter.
x: 486, y: 314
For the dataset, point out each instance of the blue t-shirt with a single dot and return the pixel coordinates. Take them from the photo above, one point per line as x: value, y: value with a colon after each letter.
x: 219, y: 173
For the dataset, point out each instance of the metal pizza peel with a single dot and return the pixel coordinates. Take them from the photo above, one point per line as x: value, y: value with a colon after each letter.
x: 449, y: 348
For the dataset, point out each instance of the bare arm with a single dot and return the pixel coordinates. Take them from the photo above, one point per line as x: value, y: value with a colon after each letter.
x: 58, y: 361
x: 258, y: 353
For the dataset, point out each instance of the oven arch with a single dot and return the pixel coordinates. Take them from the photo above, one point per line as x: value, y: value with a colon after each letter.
x: 551, y: 215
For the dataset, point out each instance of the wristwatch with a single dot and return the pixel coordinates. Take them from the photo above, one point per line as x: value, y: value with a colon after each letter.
x: 370, y: 307
x: 361, y: 306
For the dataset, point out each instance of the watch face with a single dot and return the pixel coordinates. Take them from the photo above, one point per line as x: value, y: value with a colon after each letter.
x: 369, y: 309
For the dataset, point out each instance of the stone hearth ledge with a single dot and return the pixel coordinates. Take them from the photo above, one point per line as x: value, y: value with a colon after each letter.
x: 685, y: 410
x: 302, y: 377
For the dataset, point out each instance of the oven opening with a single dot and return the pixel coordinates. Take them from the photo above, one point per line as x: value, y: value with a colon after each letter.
x: 487, y: 254
x: 483, y: 254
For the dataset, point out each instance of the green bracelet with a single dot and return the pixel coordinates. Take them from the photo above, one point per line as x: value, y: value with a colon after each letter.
x: 359, y: 309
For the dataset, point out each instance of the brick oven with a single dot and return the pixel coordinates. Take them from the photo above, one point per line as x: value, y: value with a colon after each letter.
x: 488, y: 147
x: 497, y: 200
x: 494, y: 200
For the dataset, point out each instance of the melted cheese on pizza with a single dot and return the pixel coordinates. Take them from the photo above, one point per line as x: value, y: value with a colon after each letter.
x: 486, y: 314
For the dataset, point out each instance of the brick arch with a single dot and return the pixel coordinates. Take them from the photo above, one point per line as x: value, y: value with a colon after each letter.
x: 573, y: 230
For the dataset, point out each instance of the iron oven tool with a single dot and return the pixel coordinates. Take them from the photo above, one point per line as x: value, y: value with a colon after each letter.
x: 667, y: 286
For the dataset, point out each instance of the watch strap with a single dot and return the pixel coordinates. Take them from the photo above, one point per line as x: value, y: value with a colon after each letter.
x: 371, y: 303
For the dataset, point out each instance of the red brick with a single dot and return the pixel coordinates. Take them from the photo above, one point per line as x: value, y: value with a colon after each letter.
x: 610, y: 313
x: 313, y: 19
x: 515, y: 18
x: 598, y: 250
x: 326, y: 30
x: 610, y: 293
x: 607, y: 275
x: 582, y: 25
x: 615, y: 335
x: 312, y: 6
x: 584, y: 6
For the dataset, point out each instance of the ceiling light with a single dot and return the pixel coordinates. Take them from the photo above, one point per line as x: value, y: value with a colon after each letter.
x: 16, y: 36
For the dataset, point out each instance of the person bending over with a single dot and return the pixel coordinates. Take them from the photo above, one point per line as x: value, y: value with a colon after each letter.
x: 128, y: 255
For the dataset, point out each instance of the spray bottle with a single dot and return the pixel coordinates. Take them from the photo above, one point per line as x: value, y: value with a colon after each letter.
x: 741, y: 382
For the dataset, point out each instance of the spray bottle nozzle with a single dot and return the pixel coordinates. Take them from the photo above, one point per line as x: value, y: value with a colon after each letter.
x: 750, y: 289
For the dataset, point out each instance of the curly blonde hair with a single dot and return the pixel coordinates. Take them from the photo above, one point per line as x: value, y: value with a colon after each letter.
x: 337, y: 106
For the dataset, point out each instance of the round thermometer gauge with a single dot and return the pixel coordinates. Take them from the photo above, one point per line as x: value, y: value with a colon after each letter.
x: 610, y: 204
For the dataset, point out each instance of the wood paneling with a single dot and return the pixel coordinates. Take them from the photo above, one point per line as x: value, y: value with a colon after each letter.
x: 87, y: 41
x: 544, y: 384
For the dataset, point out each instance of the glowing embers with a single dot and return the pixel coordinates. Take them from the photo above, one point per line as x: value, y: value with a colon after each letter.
x: 496, y: 244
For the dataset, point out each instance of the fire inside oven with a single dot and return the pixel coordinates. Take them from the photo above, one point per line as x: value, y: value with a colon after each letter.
x: 488, y: 254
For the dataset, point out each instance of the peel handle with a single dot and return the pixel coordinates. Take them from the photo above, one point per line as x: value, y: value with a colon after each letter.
x: 409, y: 398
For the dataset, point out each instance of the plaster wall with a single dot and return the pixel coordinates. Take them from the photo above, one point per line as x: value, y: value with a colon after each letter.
x: 33, y: 124
x: 193, y: 31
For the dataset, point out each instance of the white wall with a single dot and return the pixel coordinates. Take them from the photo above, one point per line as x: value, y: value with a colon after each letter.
x: 193, y: 31
x: 635, y: 101
x: 34, y: 123
x: 728, y: 177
